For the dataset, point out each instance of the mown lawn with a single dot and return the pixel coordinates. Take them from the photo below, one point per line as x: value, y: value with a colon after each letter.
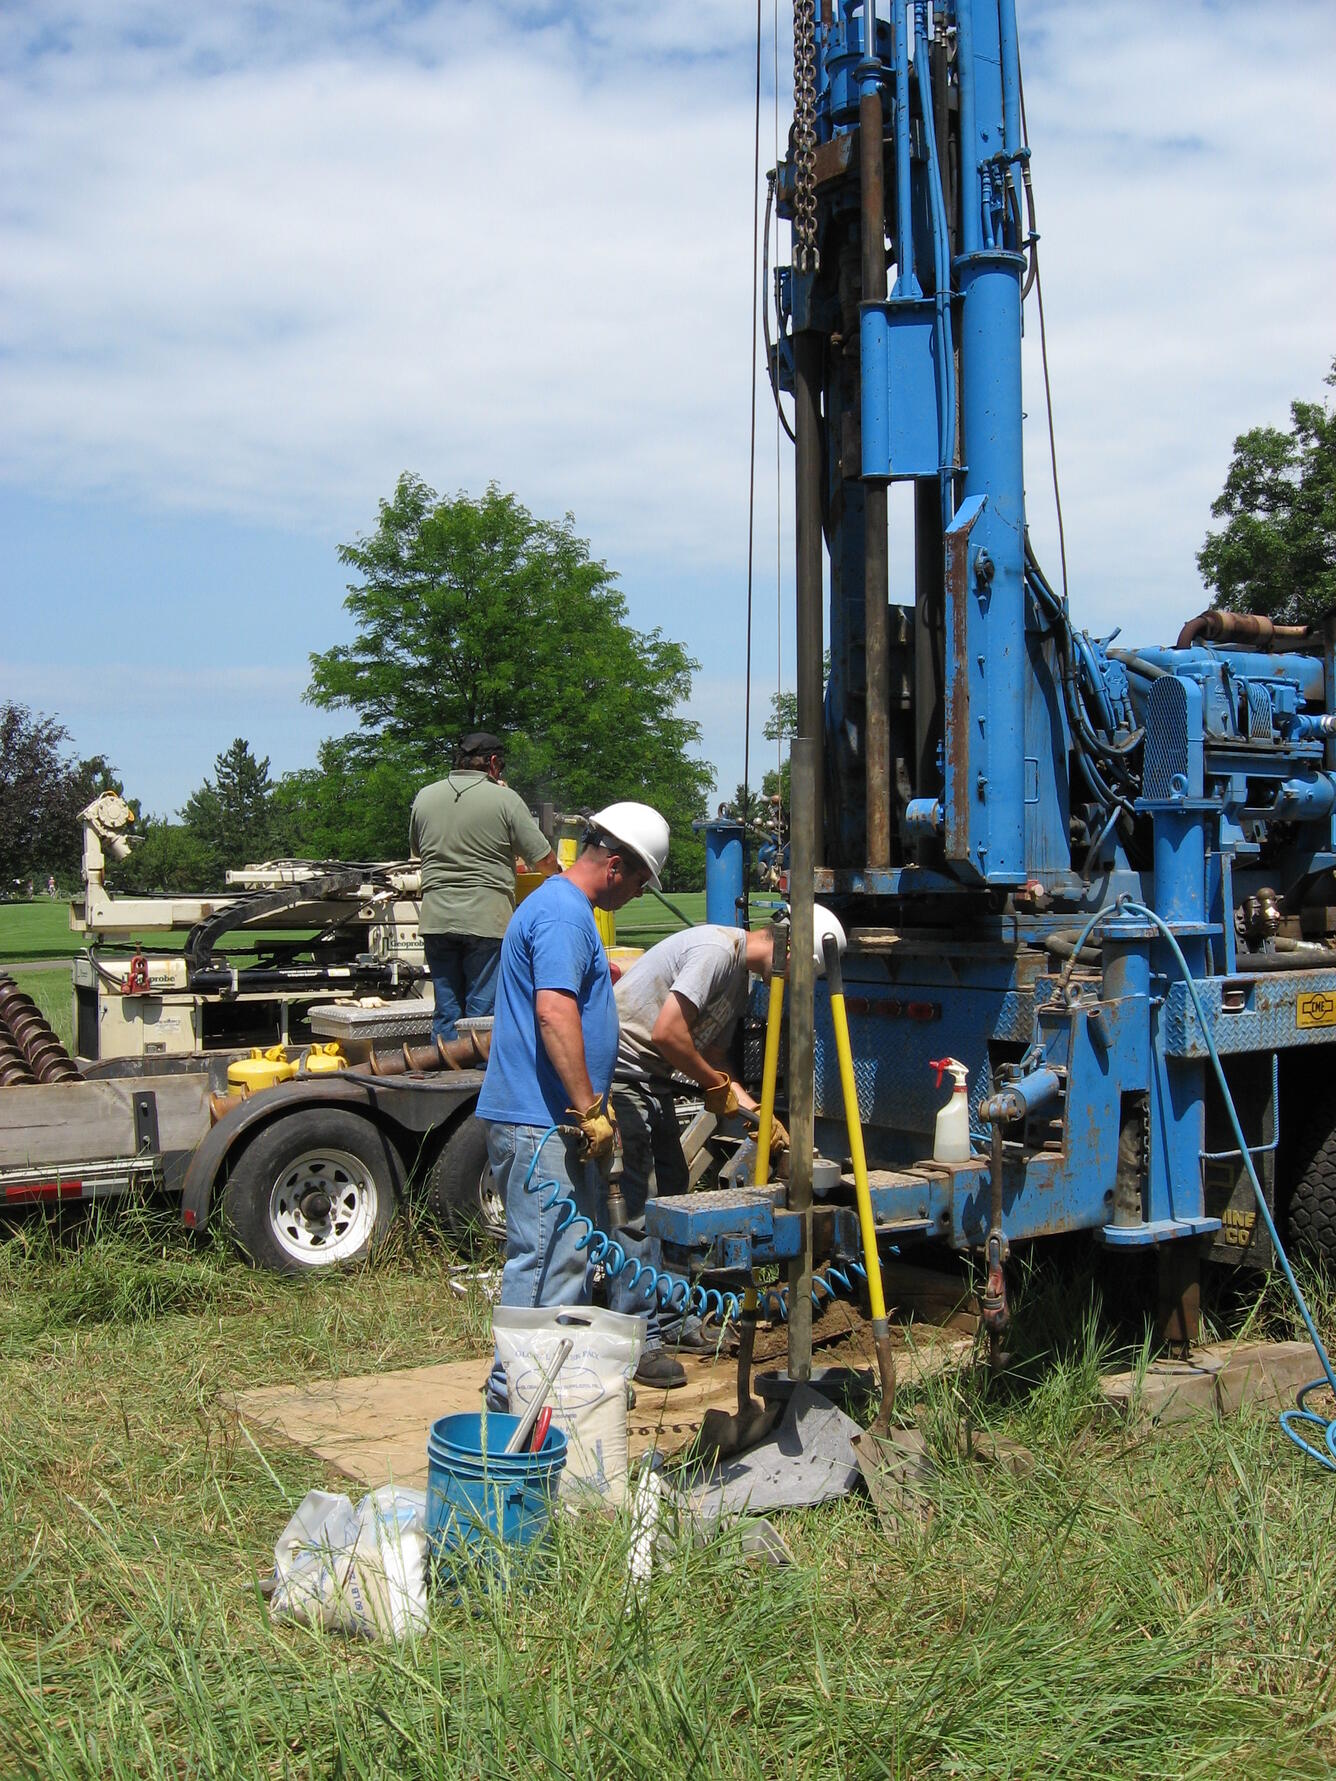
x: 1137, y: 1607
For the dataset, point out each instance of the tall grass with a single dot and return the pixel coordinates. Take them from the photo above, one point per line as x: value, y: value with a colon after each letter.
x: 1135, y: 1607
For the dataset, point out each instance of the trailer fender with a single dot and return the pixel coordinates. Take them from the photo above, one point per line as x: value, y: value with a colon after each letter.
x: 405, y: 1104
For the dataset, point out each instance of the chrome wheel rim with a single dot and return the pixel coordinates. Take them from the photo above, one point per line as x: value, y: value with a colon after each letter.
x: 323, y: 1206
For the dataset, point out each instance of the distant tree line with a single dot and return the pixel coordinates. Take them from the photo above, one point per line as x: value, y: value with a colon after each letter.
x: 469, y: 614
x: 43, y: 787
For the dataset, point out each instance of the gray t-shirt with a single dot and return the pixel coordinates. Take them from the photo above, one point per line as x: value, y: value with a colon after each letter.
x: 706, y: 965
x: 467, y: 830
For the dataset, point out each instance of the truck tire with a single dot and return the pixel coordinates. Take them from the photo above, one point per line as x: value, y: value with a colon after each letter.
x: 1313, y: 1204
x: 316, y: 1189
x: 461, y: 1194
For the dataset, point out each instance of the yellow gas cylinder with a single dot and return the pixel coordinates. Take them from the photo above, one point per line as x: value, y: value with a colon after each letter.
x: 322, y: 1059
x: 262, y: 1069
x: 526, y: 882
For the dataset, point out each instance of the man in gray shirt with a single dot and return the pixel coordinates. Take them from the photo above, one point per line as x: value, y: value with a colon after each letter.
x: 468, y: 829
x: 677, y: 1008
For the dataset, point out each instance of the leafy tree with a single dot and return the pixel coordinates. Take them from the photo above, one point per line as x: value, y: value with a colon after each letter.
x: 749, y: 809
x: 472, y: 614
x: 232, y: 817
x: 782, y: 723
x: 350, y: 807
x: 42, y: 790
x: 1276, y: 553
x: 166, y: 856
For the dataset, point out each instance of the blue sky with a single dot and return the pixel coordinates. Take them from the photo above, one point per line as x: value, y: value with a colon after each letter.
x: 257, y: 260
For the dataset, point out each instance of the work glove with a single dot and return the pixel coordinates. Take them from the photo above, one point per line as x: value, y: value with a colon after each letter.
x: 598, y: 1131
x: 779, y: 1137
x: 721, y: 1098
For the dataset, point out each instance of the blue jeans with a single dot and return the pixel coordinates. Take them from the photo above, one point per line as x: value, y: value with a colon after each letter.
x: 652, y: 1163
x: 542, y: 1266
x: 463, y: 975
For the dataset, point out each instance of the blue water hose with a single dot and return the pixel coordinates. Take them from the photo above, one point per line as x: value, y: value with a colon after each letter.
x: 673, y: 1292
x: 1300, y: 1418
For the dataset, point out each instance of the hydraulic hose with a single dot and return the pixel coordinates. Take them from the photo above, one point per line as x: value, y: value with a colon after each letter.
x: 1299, y: 1419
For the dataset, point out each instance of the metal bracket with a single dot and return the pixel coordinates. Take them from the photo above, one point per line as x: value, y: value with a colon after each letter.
x: 146, y: 1123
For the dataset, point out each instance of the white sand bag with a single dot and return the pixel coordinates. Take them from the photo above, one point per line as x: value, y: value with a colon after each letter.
x: 588, y: 1398
x: 361, y: 1570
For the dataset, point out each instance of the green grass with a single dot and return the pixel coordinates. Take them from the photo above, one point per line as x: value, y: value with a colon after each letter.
x: 37, y: 930
x: 1136, y: 1607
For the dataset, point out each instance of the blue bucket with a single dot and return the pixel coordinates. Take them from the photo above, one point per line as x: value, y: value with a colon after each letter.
x: 478, y: 1496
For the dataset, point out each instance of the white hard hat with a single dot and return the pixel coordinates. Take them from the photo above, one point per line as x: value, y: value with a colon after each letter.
x: 824, y: 922
x: 641, y: 830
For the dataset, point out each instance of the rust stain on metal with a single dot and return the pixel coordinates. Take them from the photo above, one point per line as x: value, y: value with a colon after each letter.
x: 833, y: 159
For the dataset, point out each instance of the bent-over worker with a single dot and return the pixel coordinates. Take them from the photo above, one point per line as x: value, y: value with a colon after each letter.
x: 554, y: 1044
x: 468, y: 830
x: 677, y: 1007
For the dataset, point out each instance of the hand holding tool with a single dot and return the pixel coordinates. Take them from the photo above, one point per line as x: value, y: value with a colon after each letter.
x: 598, y: 1131
x: 721, y: 1098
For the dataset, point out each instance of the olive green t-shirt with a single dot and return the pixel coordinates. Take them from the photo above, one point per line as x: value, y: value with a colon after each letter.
x: 467, y: 830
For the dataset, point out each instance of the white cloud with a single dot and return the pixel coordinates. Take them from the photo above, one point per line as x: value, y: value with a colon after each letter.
x: 257, y: 259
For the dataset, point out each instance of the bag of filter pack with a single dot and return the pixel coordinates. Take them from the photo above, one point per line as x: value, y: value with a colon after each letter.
x: 588, y: 1396
x: 355, y: 1570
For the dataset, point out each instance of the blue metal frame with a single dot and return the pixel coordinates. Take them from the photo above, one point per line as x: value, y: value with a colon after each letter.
x: 1064, y: 773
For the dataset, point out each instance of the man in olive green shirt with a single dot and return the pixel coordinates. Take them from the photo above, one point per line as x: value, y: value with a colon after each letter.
x: 468, y: 830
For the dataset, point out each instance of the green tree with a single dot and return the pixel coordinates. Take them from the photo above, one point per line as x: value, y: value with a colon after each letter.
x: 42, y: 790
x: 749, y: 809
x: 782, y: 723
x: 351, y: 806
x: 232, y: 817
x: 165, y: 856
x: 1276, y: 553
x: 472, y: 614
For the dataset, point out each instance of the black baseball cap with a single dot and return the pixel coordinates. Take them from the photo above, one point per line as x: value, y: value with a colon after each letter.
x: 481, y: 742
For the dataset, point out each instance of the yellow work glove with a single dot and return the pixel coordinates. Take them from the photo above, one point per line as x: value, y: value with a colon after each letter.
x: 779, y: 1137
x: 598, y: 1131
x: 722, y: 1098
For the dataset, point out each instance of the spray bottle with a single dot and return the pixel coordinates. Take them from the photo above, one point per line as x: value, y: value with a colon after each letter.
x: 951, y: 1142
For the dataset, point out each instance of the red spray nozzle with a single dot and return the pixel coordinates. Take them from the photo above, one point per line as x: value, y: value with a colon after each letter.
x: 958, y: 1070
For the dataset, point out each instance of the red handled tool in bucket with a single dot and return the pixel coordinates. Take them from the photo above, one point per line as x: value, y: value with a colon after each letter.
x: 519, y: 1441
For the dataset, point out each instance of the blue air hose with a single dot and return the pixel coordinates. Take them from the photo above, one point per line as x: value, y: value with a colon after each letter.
x: 673, y: 1292
x: 1300, y: 1418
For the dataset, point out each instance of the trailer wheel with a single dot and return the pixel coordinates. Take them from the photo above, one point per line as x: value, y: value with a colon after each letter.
x: 461, y: 1194
x: 313, y: 1190
x: 1313, y: 1204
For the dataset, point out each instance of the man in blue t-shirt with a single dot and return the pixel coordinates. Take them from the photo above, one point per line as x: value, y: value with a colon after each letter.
x: 554, y: 1044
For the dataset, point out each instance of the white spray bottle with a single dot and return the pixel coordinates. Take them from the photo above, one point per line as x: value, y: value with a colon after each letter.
x: 951, y: 1141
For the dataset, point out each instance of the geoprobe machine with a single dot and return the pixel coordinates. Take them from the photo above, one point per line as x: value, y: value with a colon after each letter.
x: 1096, y: 876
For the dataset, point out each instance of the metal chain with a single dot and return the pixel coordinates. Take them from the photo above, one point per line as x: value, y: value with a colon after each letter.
x: 804, y: 135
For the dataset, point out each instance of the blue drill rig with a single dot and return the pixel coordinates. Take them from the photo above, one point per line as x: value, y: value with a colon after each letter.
x: 1082, y: 870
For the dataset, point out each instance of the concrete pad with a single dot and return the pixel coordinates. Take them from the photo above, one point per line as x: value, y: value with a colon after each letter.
x: 1217, y: 1381
x: 1268, y: 1373
x: 373, y: 1427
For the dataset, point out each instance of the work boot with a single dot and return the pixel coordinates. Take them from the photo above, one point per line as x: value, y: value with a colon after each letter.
x: 692, y: 1336
x: 659, y: 1370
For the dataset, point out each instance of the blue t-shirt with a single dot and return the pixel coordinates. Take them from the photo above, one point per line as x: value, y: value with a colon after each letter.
x: 551, y: 943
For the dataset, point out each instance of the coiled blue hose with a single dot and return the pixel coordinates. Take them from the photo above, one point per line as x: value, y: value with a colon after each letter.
x: 1300, y: 1418
x: 673, y: 1292
x: 774, y: 1300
